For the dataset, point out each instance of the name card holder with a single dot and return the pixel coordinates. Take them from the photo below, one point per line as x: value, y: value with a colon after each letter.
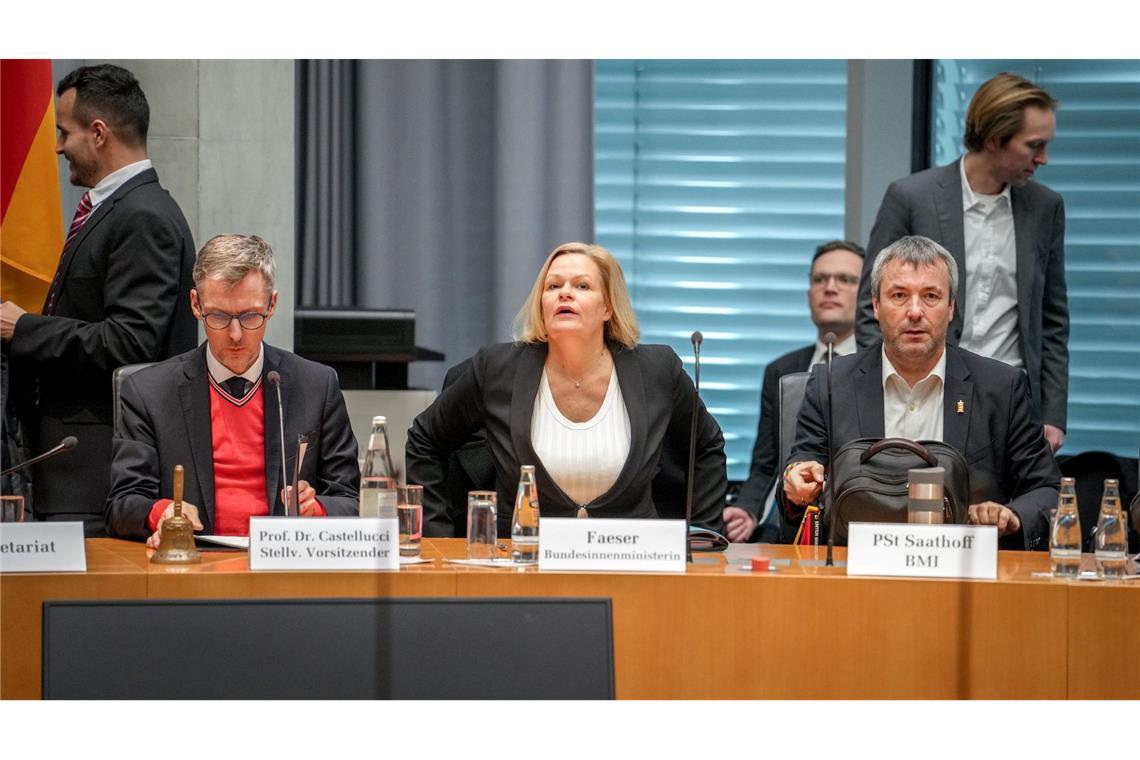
x: 612, y: 545
x: 42, y: 547
x: 922, y: 551
x: 328, y: 543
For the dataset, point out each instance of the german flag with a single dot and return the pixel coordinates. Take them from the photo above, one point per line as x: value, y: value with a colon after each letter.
x: 31, y: 223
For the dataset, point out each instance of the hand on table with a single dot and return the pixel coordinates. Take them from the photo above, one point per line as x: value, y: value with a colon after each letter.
x: 992, y: 513
x: 307, y: 499
x: 188, y: 510
x: 738, y: 524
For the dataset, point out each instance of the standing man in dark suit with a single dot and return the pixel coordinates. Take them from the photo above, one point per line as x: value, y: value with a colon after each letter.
x: 210, y: 411
x: 913, y: 385
x: 117, y: 296
x: 832, y: 287
x: 1007, y: 235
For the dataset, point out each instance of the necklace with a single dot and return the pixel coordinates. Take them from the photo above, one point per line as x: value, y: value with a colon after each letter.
x: 578, y: 382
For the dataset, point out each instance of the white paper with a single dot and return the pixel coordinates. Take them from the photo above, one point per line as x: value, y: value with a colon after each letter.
x: 232, y: 542
x: 327, y: 543
x: 42, y: 547
x: 922, y: 551
x: 613, y: 545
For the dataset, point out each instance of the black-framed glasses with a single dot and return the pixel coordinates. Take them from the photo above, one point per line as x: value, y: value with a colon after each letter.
x: 847, y: 280
x: 250, y: 320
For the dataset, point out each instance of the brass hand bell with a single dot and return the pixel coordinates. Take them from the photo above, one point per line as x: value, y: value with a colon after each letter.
x: 176, y: 546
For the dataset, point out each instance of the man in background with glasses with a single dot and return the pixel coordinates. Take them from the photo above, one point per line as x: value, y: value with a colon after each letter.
x: 832, y: 287
x: 1007, y: 234
x: 213, y: 411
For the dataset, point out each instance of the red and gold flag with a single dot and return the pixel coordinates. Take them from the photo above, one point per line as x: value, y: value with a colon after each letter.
x: 31, y: 223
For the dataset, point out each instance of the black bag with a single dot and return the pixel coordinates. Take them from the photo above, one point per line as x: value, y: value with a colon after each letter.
x: 869, y: 481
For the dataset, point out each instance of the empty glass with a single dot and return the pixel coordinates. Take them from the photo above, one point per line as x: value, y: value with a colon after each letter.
x: 11, y: 508
x: 410, y: 510
x: 482, y: 521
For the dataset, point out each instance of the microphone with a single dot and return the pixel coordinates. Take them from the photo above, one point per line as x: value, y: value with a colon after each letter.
x: 696, y: 338
x: 67, y: 444
x: 273, y: 377
x: 829, y: 339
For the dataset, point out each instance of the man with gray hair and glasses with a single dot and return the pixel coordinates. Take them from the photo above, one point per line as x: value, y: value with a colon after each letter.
x: 211, y: 411
x: 913, y: 385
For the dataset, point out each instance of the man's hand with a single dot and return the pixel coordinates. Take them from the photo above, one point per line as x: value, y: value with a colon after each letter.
x: 9, y: 313
x: 738, y: 524
x: 1055, y: 437
x: 992, y: 513
x: 803, y: 481
x: 307, y: 499
x: 188, y: 510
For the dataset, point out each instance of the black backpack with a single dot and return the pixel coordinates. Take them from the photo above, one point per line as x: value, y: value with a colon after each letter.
x: 869, y: 481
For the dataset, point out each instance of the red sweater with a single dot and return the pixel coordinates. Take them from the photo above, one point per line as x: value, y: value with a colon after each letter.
x: 237, y: 432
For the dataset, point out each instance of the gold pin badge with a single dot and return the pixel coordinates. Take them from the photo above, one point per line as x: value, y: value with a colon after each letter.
x: 961, y: 406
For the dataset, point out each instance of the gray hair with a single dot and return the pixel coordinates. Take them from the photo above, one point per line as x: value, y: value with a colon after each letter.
x: 917, y: 251
x: 231, y: 257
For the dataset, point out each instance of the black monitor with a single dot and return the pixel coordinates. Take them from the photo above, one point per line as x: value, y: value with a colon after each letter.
x: 408, y: 648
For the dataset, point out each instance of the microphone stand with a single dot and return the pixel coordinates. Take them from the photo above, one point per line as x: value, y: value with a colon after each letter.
x: 274, y: 379
x: 67, y: 444
x: 696, y: 338
x: 828, y: 480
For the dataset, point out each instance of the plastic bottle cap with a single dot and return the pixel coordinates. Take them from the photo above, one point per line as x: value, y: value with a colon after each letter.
x: 760, y: 564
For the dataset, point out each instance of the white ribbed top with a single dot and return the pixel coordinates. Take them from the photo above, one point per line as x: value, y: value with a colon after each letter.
x: 583, y: 458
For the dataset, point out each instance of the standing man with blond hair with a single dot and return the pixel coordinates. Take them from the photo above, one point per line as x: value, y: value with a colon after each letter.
x: 118, y: 295
x: 1007, y: 235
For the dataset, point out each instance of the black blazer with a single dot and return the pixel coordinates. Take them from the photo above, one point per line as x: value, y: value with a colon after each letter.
x: 930, y: 203
x: 125, y: 299
x: 498, y: 394
x: 766, y: 449
x: 998, y: 433
x: 166, y: 421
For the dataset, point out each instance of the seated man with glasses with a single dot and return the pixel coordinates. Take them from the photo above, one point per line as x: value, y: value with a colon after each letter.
x: 832, y: 288
x: 210, y: 410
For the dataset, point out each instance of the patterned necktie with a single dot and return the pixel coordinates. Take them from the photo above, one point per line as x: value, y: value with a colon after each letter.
x: 235, y: 386
x: 82, y: 211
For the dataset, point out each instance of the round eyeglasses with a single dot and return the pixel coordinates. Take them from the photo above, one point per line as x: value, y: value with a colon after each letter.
x: 250, y: 320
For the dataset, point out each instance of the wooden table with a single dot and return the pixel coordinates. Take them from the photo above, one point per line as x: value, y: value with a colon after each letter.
x: 716, y: 631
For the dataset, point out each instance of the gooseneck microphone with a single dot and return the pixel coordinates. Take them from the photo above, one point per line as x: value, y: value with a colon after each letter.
x: 829, y: 339
x: 67, y: 444
x: 274, y: 379
x: 696, y: 339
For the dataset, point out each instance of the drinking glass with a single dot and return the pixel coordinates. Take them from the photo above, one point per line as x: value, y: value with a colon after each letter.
x: 410, y: 510
x: 11, y: 508
x: 482, y: 522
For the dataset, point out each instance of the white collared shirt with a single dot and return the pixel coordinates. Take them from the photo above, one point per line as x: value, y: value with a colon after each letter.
x: 116, y: 179
x: 842, y: 348
x: 914, y: 413
x: 220, y: 374
x: 989, y: 325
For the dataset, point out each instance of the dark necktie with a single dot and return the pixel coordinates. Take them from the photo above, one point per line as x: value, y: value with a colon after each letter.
x: 82, y: 211
x: 235, y: 386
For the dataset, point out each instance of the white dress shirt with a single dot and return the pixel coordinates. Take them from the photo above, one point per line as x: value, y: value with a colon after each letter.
x: 914, y: 413
x: 116, y: 179
x: 842, y: 348
x: 989, y: 325
x: 220, y: 374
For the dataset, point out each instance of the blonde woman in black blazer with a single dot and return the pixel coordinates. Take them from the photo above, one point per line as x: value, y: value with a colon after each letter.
x: 578, y: 325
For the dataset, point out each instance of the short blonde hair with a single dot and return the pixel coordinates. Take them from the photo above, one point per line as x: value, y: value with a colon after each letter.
x: 997, y: 107
x: 622, y: 325
x: 231, y: 257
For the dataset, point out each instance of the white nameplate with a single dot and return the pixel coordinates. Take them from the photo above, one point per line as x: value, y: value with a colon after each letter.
x: 922, y: 551
x: 621, y: 545
x: 42, y: 547
x: 323, y: 543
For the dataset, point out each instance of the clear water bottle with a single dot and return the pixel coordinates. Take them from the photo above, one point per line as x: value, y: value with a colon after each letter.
x: 524, y: 523
x: 1111, y: 535
x: 1065, y: 533
x: 377, y: 475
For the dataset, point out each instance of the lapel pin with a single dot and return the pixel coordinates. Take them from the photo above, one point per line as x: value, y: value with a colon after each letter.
x: 961, y: 406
